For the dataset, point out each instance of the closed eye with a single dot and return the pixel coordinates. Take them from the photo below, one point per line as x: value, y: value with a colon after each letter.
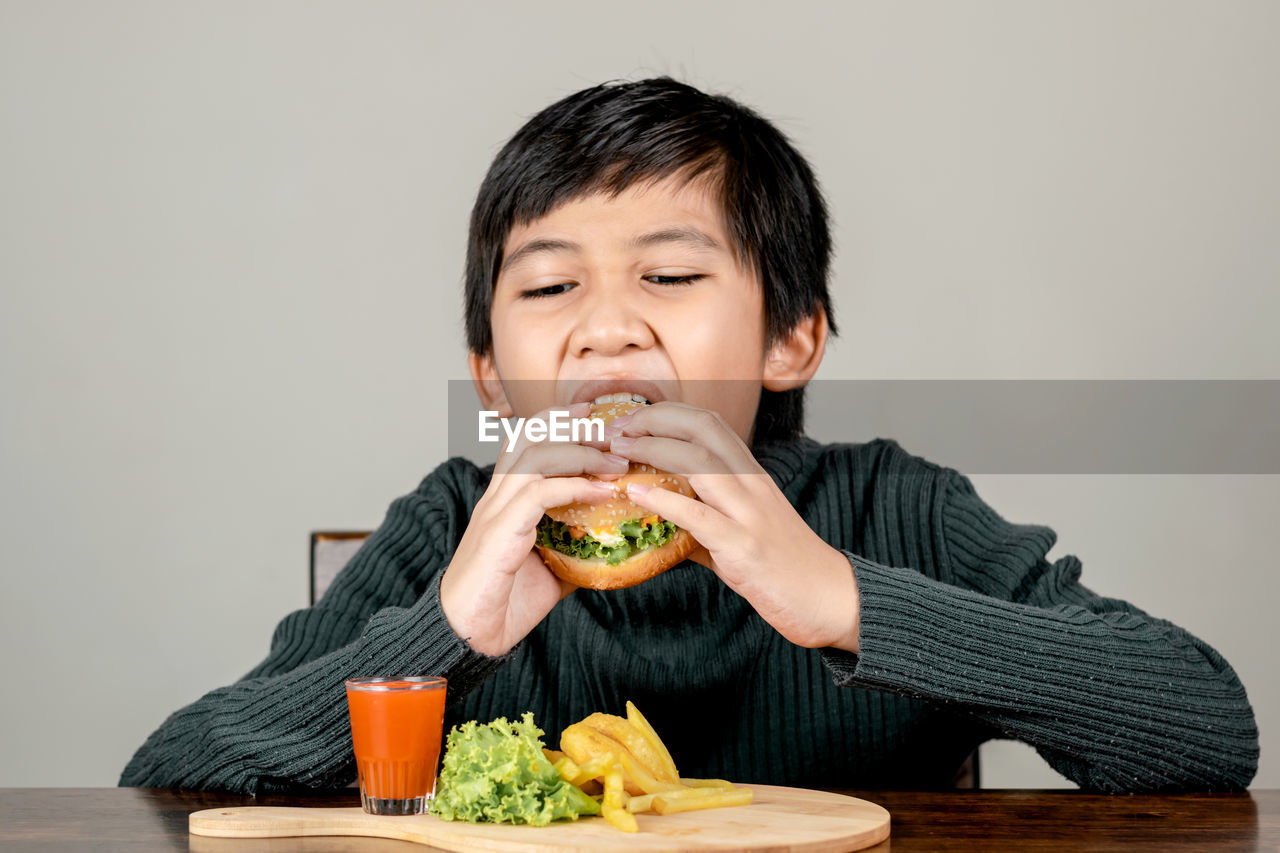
x: 564, y: 287
x: 673, y: 279
x: 549, y: 290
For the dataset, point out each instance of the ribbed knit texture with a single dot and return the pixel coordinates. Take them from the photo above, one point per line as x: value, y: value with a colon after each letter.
x: 967, y: 633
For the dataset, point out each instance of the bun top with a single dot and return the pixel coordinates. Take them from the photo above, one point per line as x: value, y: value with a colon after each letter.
x: 601, y: 519
x: 614, y: 406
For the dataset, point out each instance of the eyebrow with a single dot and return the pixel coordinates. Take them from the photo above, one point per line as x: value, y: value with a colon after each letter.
x: 686, y: 234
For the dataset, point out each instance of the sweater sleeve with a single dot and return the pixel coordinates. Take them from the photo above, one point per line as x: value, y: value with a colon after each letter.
x: 1114, y: 699
x: 285, y: 725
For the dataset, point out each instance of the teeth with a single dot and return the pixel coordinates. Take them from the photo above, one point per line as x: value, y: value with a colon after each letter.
x: 619, y: 397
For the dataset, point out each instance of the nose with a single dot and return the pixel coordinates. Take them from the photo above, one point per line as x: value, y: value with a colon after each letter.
x: 610, y: 322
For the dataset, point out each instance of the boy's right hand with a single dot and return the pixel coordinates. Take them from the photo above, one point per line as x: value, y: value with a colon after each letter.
x: 496, y: 588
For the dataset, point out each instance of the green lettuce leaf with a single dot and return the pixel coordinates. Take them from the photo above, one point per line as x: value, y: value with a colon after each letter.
x: 497, y: 773
x: 637, y: 535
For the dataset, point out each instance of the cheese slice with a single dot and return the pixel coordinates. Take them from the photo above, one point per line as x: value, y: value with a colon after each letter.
x: 608, y: 535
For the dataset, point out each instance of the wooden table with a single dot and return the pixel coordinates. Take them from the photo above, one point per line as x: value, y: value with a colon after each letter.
x: 139, y: 819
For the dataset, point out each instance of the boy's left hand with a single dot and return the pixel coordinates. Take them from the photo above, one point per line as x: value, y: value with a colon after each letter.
x: 751, y: 536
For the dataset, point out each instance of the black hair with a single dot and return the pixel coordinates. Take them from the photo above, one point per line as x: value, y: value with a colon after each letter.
x: 607, y: 137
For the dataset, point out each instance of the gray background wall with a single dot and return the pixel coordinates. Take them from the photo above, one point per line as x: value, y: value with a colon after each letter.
x: 231, y: 242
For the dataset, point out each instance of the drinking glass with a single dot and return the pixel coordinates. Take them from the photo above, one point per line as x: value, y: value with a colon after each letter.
x: 396, y: 728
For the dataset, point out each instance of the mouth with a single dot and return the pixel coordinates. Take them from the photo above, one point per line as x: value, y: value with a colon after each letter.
x: 618, y: 389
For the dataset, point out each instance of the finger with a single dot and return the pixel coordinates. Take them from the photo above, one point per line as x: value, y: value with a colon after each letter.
x: 712, y: 528
x: 539, y: 461
x: 598, y: 437
x: 507, y: 458
x: 695, y: 425
x: 731, y: 493
x: 557, y: 460
x: 561, y: 460
x: 527, y: 506
x: 669, y: 454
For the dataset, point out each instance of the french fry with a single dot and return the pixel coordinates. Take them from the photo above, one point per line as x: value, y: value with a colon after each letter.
x: 693, y: 793
x: 592, y: 768
x: 611, y: 806
x: 568, y: 770
x: 640, y: 746
x: 705, y: 783
x: 643, y: 803
x: 553, y: 755
x: 639, y: 804
x: 620, y: 818
x: 643, y: 780
x: 700, y: 798
x: 642, y: 725
x: 613, y: 786
x: 628, y: 765
x: 582, y: 743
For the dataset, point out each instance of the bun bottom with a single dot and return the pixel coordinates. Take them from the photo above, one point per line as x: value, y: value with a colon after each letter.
x: 638, y: 568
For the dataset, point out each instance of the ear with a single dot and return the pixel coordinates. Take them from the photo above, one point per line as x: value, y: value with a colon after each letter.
x: 484, y: 374
x: 792, y: 361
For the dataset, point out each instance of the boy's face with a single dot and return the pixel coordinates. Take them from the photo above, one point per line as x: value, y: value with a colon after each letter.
x: 641, y: 286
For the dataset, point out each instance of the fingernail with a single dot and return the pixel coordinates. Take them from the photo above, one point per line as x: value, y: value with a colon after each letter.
x: 603, y: 486
x: 579, y: 409
x: 621, y: 442
x: 637, y: 489
x: 622, y: 421
x: 617, y: 461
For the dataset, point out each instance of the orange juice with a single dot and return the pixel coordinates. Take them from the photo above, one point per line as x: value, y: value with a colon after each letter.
x: 396, y: 728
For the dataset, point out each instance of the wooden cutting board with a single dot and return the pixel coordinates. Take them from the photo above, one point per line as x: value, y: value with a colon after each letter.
x: 778, y: 819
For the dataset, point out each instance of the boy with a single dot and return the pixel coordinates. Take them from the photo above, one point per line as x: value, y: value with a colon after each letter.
x: 856, y: 616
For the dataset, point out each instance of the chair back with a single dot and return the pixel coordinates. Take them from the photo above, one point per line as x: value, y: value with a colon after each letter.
x: 331, y: 550
x: 969, y: 775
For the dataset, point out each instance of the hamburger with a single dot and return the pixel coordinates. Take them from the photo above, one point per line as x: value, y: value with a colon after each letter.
x: 615, y: 543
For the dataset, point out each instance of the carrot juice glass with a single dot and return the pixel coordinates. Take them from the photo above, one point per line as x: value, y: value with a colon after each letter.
x: 396, y: 726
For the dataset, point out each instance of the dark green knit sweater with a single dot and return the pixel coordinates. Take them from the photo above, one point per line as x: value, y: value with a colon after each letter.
x: 967, y: 633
